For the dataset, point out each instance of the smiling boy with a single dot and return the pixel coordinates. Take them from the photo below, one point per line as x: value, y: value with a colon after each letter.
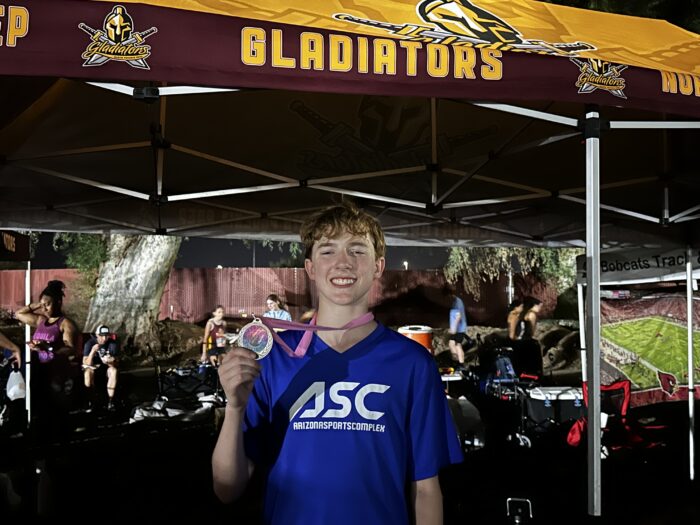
x: 357, y: 429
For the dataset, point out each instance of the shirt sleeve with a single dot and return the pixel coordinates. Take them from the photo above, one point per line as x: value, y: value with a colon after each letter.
x: 433, y: 438
x: 88, y: 346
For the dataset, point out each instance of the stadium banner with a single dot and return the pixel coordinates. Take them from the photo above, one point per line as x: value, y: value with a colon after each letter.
x: 644, y: 339
x: 638, y: 266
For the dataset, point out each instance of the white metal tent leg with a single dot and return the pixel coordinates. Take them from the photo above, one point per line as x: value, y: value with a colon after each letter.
x: 592, y: 135
x: 27, y: 350
x: 691, y: 367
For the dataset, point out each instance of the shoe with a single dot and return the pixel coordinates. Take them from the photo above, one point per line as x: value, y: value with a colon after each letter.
x: 111, y: 406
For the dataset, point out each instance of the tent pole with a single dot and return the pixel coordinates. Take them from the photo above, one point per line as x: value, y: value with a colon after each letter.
x: 691, y: 368
x: 27, y: 350
x: 592, y: 135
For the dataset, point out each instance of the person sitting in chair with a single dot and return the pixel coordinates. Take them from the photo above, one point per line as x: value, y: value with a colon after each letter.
x: 101, y: 349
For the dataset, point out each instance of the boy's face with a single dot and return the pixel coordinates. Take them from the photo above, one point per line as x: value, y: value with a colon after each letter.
x: 344, y: 268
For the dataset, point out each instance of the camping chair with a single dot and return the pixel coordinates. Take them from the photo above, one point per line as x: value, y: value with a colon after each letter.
x: 619, y: 432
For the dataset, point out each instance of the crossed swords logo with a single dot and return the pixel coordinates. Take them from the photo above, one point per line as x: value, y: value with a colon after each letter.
x: 94, y: 57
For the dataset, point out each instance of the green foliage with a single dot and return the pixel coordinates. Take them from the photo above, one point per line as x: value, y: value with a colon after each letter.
x: 477, y: 265
x: 293, y: 253
x: 85, y: 252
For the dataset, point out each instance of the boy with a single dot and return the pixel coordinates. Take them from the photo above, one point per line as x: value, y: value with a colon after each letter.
x: 101, y: 348
x: 356, y: 430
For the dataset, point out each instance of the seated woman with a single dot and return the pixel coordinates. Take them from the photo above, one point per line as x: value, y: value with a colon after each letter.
x: 276, y: 308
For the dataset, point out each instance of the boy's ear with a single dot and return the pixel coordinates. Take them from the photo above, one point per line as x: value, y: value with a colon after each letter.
x: 379, y: 265
x: 309, y: 267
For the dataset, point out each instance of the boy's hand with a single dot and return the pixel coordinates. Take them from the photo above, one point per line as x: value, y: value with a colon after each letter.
x: 238, y: 370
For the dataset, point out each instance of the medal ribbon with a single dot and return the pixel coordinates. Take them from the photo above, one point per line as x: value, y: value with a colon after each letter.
x: 309, y: 329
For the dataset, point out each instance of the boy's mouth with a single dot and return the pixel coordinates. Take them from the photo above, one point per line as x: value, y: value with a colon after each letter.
x: 343, y: 281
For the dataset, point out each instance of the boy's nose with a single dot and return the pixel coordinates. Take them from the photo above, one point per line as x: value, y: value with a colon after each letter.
x: 343, y: 261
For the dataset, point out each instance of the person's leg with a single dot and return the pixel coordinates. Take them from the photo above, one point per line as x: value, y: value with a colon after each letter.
x: 459, y: 351
x: 112, y: 374
x: 453, y: 349
x: 89, y: 377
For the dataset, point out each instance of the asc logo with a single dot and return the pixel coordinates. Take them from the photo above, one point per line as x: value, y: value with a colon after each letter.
x: 117, y: 40
x: 341, y: 394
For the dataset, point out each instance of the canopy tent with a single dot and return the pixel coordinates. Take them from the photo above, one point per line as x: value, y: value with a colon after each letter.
x: 372, y: 101
x: 313, y: 120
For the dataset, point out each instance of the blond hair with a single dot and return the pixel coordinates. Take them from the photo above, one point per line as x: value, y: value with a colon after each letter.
x: 338, y: 219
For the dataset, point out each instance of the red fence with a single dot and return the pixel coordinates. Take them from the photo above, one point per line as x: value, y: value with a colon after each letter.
x: 399, y: 298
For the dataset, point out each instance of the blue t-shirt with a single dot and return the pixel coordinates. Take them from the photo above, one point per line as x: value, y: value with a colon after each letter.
x: 341, y: 435
x: 458, y: 326
x: 110, y: 347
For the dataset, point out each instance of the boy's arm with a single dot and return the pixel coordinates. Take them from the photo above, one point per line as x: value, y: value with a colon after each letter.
x: 231, y: 468
x: 427, y: 501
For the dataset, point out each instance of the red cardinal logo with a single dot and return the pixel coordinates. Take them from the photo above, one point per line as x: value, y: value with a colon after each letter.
x: 668, y: 382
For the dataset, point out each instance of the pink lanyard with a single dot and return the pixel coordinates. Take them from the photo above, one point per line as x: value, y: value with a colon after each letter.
x: 309, y: 330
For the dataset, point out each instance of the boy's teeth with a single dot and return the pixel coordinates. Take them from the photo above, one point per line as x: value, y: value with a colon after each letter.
x: 343, y: 281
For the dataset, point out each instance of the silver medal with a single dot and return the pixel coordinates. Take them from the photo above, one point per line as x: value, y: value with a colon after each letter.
x: 257, y: 337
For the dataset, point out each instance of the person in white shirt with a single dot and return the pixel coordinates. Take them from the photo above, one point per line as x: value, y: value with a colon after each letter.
x: 276, y: 308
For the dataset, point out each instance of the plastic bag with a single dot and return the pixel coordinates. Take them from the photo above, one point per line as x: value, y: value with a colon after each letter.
x: 16, y: 388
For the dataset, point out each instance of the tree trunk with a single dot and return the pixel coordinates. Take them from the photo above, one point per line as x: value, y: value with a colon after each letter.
x: 130, y: 286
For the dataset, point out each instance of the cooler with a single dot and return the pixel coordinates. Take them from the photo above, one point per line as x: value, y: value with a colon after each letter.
x: 419, y: 333
x: 547, y: 406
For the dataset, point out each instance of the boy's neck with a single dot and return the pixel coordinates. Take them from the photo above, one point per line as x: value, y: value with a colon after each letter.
x: 340, y: 316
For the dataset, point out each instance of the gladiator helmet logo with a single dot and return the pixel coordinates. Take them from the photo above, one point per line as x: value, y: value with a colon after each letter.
x: 464, y: 18
x: 463, y: 22
x: 599, y: 74
x: 117, y: 40
x: 118, y: 25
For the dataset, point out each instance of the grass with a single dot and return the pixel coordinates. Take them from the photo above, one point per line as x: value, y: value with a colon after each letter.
x: 659, y: 342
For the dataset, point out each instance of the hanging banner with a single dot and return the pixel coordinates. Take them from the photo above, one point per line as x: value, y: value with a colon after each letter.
x: 13, y: 246
x: 637, y: 266
x: 644, y: 340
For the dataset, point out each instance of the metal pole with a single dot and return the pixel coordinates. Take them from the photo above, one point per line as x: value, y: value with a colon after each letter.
x: 691, y: 367
x: 592, y: 135
x: 27, y: 350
